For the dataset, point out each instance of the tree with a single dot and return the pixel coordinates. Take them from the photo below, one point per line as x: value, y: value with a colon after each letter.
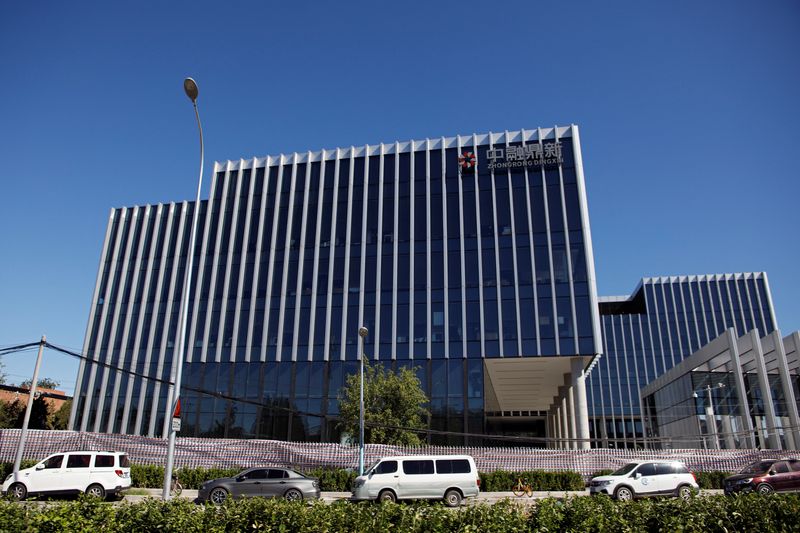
x: 9, y: 412
x: 393, y: 399
x: 2, y: 374
x: 43, y: 383
x: 60, y: 418
x: 40, y: 414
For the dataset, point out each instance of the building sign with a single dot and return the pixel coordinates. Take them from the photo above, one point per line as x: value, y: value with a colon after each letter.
x: 532, y: 155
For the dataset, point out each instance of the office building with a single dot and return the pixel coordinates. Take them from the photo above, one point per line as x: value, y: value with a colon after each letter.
x: 468, y: 258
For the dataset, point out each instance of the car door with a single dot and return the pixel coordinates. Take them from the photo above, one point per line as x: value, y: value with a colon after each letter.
x: 49, y: 478
x: 103, y: 470
x: 645, y: 480
x: 384, y: 475
x: 666, y: 481
x: 250, y: 483
x: 418, y: 479
x: 780, y: 476
x: 77, y: 472
x: 275, y: 484
x: 793, y: 483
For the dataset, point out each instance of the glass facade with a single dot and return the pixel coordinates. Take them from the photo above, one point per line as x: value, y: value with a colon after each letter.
x: 446, y: 264
x: 663, y: 322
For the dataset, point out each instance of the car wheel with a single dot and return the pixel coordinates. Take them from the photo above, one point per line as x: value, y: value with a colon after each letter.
x: 387, y: 496
x: 452, y: 498
x: 96, y: 490
x: 685, y: 492
x: 18, y: 491
x: 623, y: 494
x: 764, y: 488
x: 293, y: 495
x: 218, y: 496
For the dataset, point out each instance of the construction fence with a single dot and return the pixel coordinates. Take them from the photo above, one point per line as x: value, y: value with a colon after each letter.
x: 205, y: 452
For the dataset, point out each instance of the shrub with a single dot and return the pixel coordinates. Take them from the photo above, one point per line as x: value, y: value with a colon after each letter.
x: 708, y: 514
x: 192, y: 478
x: 152, y: 476
x: 711, y: 513
x: 504, y: 481
x: 711, y: 480
x: 333, y: 479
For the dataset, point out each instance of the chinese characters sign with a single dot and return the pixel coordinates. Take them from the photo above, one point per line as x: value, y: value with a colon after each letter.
x: 532, y: 155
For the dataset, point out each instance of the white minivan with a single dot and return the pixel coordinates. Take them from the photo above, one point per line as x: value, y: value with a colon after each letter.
x: 448, y: 477
x: 93, y: 472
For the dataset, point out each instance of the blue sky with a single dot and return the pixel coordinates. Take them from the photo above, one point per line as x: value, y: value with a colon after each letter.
x: 688, y: 113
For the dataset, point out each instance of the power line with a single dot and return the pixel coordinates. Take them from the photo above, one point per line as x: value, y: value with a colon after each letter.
x: 18, y: 348
x: 270, y: 405
x: 214, y: 394
x: 274, y: 407
x: 106, y: 365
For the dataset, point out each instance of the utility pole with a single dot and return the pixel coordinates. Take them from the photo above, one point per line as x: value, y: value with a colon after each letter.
x: 181, y: 351
x: 24, y: 434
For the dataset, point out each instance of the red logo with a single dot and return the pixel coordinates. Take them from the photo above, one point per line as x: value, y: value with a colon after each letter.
x: 467, y: 160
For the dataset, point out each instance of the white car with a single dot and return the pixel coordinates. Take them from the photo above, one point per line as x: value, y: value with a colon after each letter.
x: 646, y: 478
x: 448, y: 477
x: 97, y: 473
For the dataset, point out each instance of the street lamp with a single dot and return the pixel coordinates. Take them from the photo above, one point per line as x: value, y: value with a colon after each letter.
x: 711, y: 421
x: 191, y: 90
x: 362, y: 332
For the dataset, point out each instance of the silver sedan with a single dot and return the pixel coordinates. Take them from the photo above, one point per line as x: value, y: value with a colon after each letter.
x: 264, y: 482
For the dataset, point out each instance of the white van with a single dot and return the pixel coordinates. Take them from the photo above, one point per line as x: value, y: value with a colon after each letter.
x: 448, y: 477
x: 93, y: 472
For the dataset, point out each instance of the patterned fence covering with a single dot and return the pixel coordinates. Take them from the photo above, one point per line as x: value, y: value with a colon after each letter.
x: 194, y: 452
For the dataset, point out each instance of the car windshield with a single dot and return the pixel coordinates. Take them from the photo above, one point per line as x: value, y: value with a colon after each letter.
x: 373, y: 465
x: 756, y: 468
x: 625, y: 469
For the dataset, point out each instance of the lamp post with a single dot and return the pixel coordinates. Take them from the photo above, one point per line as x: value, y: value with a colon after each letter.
x: 711, y: 420
x: 191, y: 90
x: 362, y: 332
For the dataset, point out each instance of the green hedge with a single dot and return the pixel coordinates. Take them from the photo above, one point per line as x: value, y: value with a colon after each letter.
x: 539, y: 480
x: 333, y: 479
x: 151, y: 476
x: 711, y: 480
x: 707, y: 515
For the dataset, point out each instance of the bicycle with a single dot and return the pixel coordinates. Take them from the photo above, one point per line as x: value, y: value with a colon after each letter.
x: 175, y: 487
x: 522, y: 487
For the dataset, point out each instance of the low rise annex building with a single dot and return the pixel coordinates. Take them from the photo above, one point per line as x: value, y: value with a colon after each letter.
x: 664, y: 321
x: 734, y: 392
